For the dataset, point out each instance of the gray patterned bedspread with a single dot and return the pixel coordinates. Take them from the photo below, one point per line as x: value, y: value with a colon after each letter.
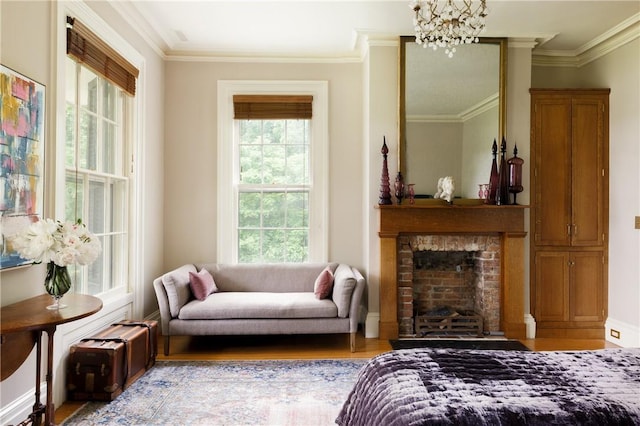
x: 473, y: 387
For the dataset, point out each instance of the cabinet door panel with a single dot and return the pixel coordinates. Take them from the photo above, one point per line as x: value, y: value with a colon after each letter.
x: 569, y: 215
x: 586, y: 286
x: 587, y: 172
x: 552, y: 295
x: 552, y: 171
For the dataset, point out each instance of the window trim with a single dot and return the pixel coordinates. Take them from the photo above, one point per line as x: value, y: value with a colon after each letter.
x: 133, y: 291
x: 228, y: 154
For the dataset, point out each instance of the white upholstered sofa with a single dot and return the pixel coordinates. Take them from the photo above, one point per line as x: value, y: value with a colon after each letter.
x: 261, y: 299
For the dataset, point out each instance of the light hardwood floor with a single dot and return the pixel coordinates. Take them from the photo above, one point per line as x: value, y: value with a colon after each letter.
x: 244, y: 348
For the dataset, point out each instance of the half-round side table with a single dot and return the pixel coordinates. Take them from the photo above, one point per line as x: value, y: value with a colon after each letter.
x: 22, y: 325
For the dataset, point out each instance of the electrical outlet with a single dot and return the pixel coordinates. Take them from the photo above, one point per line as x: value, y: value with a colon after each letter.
x: 615, y: 333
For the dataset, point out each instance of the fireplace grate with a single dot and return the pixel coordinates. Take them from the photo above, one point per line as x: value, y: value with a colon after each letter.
x: 466, y: 322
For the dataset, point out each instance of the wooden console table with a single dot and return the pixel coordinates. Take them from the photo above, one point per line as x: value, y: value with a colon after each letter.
x: 22, y: 326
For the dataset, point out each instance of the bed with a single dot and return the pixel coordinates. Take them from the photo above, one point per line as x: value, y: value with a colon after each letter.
x: 476, y: 387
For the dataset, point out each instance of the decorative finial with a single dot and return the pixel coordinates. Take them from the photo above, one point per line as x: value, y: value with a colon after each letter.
x: 385, y: 189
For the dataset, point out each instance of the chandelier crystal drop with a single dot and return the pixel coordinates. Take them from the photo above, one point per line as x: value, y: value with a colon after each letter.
x: 456, y: 23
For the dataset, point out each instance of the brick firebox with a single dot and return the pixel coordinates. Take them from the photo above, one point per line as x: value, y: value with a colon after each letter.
x: 478, y: 291
x: 504, y: 222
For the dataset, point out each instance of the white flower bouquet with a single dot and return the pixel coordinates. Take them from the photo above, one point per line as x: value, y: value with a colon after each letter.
x: 63, y: 243
x: 59, y: 244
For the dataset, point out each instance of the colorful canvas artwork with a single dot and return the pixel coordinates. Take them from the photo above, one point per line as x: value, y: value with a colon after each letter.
x: 22, y: 109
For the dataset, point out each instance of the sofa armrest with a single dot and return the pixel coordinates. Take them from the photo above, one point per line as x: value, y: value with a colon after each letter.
x: 163, y: 305
x: 358, y: 299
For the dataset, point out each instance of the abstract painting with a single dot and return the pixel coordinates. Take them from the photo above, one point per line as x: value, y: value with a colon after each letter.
x: 22, y: 109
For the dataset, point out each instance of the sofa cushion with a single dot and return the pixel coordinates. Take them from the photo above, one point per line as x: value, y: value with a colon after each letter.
x: 255, y: 305
x: 276, y: 277
x: 324, y: 284
x: 343, y: 284
x: 202, y: 284
x: 176, y: 284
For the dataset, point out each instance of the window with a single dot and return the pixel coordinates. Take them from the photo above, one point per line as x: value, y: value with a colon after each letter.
x: 96, y: 184
x: 97, y: 148
x: 272, y: 171
x: 273, y: 190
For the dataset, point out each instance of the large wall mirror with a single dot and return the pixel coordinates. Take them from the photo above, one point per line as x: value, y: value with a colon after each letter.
x: 451, y: 110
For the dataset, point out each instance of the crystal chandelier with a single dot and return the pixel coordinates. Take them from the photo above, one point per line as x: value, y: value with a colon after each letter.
x: 456, y: 23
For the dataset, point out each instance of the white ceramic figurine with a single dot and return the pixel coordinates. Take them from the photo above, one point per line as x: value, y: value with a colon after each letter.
x: 446, y: 188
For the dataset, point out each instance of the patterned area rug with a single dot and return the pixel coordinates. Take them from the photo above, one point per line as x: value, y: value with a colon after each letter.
x: 300, y: 392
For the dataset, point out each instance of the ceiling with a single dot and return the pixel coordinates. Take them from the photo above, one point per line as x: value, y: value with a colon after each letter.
x: 334, y: 29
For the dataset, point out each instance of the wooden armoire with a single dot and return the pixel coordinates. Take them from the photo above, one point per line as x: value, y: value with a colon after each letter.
x: 569, y: 214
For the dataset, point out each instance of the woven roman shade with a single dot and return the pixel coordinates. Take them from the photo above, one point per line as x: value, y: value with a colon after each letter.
x: 271, y: 107
x: 89, y: 49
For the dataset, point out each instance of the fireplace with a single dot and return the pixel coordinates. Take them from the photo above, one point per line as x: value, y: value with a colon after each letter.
x: 501, y: 226
x: 449, y: 284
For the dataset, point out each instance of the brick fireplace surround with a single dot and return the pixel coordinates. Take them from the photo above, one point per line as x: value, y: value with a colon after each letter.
x: 457, y: 224
x: 479, y: 292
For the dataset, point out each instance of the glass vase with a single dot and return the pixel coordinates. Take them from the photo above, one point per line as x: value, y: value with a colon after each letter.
x: 57, y: 283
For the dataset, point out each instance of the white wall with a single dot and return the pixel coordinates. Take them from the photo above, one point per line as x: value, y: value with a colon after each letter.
x: 479, y: 133
x: 380, y: 123
x: 618, y: 70
x: 190, y: 176
x: 435, y: 151
x: 518, y: 131
x: 19, y: 284
x: 28, y: 45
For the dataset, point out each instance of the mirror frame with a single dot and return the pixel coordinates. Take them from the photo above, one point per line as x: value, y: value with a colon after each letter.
x: 402, y: 116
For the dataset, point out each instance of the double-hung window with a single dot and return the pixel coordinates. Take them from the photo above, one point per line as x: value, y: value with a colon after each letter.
x: 273, y: 190
x: 98, y: 100
x: 274, y: 151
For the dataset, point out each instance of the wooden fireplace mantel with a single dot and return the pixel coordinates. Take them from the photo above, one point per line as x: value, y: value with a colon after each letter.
x: 473, y: 219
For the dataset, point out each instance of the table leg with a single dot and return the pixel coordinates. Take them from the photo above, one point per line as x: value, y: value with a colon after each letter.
x: 38, y: 408
x: 49, y: 414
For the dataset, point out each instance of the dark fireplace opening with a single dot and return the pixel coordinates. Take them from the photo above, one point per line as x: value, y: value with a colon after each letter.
x: 460, y: 273
x: 443, y: 279
x: 444, y: 293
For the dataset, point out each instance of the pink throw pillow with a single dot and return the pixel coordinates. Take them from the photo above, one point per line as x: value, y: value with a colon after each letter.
x: 202, y: 284
x: 324, y: 284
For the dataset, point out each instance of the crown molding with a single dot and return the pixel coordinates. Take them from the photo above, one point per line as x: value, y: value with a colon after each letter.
x: 616, y: 37
x: 481, y: 107
x: 523, y: 42
x: 364, y: 39
x: 442, y: 118
x: 468, y: 114
x: 140, y: 25
x: 258, y: 57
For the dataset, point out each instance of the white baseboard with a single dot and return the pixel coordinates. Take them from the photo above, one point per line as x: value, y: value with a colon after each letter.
x: 371, y: 328
x: 19, y: 409
x: 153, y: 316
x: 628, y: 335
x: 530, y: 324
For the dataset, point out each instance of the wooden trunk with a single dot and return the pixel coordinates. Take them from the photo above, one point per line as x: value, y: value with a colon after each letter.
x: 101, y: 367
x: 96, y: 370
